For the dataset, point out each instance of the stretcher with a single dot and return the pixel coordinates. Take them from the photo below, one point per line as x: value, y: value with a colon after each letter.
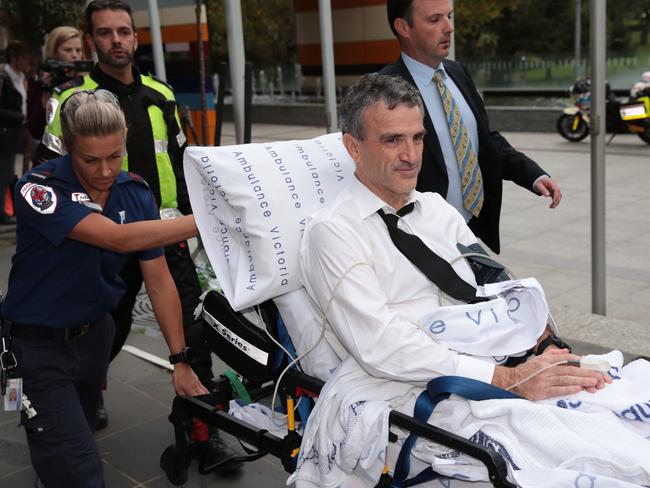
x: 253, y: 353
x: 251, y: 203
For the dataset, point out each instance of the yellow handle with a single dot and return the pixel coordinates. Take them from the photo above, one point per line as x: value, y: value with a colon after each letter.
x: 291, y: 418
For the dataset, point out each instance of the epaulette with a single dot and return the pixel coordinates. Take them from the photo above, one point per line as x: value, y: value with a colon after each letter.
x: 137, y: 178
x: 41, y: 175
x: 155, y: 78
x: 73, y: 83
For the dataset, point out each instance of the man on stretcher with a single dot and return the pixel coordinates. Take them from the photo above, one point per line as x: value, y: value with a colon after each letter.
x: 378, y: 310
x: 385, y: 266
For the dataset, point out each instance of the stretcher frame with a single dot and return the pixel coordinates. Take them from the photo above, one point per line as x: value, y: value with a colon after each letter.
x: 212, y: 409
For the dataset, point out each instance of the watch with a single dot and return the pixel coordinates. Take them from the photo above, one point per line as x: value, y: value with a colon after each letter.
x: 185, y: 356
x: 551, y: 339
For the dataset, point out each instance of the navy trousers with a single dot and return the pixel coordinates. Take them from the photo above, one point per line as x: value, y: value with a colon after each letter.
x: 63, y: 381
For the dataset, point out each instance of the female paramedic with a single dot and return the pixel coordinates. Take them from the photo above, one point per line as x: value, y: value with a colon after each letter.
x: 78, y: 218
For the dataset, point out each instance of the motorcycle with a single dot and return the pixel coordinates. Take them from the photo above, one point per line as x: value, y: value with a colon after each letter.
x: 624, y: 116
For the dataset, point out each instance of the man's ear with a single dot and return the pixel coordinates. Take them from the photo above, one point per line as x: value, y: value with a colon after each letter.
x: 401, y: 26
x: 352, y: 147
x: 90, y: 44
x: 135, y: 35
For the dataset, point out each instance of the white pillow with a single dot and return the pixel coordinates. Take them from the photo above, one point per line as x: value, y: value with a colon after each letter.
x: 251, y: 202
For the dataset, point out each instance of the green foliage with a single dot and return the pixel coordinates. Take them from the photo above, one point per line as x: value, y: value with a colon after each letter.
x: 525, y: 27
x: 31, y: 20
x: 268, y: 31
x: 539, y: 27
x: 477, y: 24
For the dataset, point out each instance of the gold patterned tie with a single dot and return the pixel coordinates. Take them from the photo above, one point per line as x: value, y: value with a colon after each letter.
x: 471, y: 178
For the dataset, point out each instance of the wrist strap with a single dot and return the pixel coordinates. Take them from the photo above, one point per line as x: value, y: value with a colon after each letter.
x: 551, y: 339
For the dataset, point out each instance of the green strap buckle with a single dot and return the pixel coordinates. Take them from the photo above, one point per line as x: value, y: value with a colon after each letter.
x: 238, y: 387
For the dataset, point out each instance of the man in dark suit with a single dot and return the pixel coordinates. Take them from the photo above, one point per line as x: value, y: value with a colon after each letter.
x: 423, y: 28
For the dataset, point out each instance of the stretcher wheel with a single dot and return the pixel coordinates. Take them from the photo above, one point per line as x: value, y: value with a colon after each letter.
x: 174, y: 464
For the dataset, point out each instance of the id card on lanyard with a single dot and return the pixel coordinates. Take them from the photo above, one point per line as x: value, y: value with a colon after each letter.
x: 10, y: 388
x: 13, y: 398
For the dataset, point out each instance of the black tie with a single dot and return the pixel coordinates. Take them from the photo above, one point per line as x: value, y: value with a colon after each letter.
x: 439, y: 271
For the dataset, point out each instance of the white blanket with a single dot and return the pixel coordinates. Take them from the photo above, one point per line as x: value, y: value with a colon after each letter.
x: 509, y: 323
x: 585, y: 440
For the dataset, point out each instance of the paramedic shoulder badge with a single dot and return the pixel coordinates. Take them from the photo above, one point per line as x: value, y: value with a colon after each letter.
x: 40, y: 197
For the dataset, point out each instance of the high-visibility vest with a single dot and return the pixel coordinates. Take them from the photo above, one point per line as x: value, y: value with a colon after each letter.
x: 161, y: 132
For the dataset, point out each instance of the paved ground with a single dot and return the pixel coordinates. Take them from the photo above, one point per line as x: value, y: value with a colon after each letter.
x: 553, y: 245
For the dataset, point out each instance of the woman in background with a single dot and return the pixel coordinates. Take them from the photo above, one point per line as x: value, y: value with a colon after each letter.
x: 63, y: 45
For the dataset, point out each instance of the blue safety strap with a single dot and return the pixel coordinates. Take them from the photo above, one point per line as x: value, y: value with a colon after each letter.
x: 440, y: 389
x: 427, y: 474
x: 306, y: 404
x: 285, y: 340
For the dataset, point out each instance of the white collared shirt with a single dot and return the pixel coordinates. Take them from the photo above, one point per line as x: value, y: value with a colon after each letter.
x: 423, y: 76
x: 379, y: 294
x: 18, y: 80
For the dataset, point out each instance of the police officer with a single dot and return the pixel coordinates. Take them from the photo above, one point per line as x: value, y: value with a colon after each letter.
x: 78, y: 218
x: 154, y: 150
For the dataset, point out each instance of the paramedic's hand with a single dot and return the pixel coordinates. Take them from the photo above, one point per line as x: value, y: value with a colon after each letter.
x: 547, y: 187
x: 555, y: 381
x: 186, y: 382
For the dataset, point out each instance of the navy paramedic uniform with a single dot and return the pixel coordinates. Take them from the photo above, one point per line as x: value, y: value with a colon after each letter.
x: 58, y: 302
x: 154, y: 144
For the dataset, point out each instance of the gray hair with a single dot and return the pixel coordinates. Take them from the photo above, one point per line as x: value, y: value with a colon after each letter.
x: 370, y: 89
x: 91, y: 113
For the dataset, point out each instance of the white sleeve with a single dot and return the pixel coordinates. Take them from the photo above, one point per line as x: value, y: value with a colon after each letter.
x: 383, y: 344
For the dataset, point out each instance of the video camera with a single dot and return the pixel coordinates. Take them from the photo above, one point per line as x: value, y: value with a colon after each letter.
x: 62, y: 72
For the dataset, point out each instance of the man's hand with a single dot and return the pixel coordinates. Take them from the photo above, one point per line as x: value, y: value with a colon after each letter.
x: 547, y: 187
x: 555, y: 381
x: 186, y: 382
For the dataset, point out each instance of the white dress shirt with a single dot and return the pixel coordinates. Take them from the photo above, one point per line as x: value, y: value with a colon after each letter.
x: 423, y: 76
x: 379, y: 295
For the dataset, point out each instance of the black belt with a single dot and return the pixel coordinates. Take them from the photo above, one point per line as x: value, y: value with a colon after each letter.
x: 43, y: 333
